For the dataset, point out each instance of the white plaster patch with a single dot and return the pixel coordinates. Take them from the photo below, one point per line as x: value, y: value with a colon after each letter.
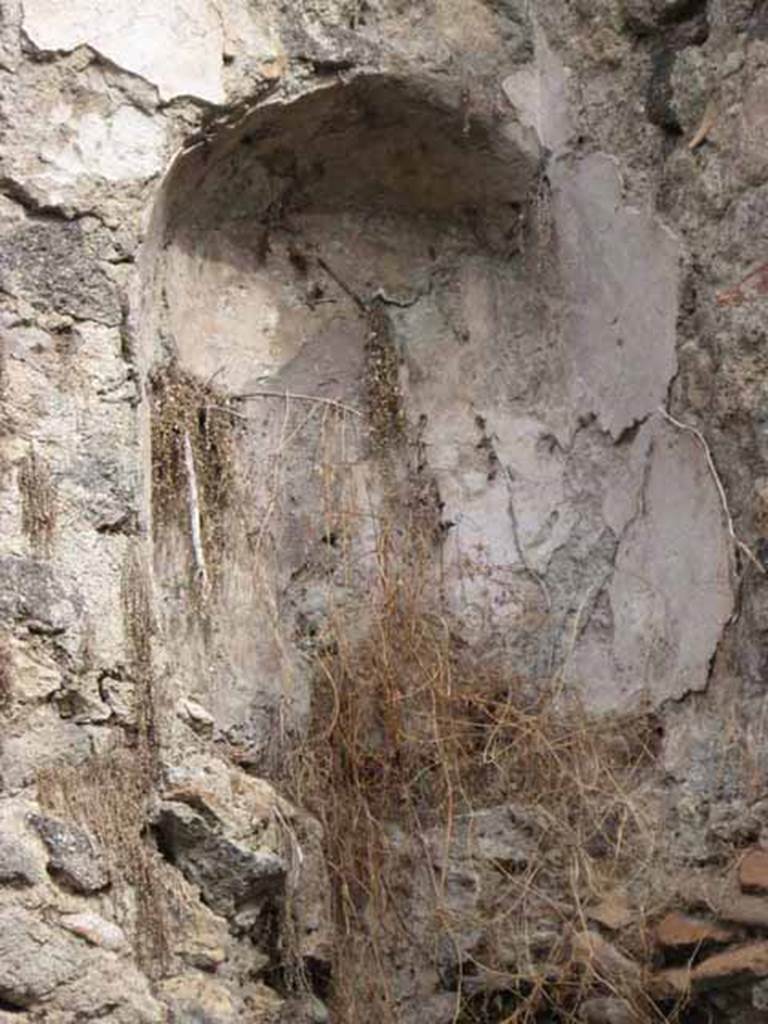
x: 670, y: 595
x: 539, y: 93
x: 620, y: 266
x: 536, y: 467
x: 225, y: 317
x: 127, y: 146
x: 175, y: 44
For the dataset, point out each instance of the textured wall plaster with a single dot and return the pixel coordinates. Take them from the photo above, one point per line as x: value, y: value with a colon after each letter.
x: 620, y: 268
x: 516, y: 336
x: 654, y: 643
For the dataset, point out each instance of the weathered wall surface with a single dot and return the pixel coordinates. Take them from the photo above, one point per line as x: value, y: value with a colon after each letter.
x: 277, y: 283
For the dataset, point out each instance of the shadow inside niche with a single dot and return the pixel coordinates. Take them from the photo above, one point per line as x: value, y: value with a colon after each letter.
x: 278, y: 236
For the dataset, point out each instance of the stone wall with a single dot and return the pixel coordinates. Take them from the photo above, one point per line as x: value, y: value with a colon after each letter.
x: 316, y: 308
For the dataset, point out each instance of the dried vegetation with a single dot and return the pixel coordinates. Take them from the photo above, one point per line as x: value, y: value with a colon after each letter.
x: 382, y: 379
x: 193, y: 471
x: 109, y: 793
x: 414, y: 733
x: 38, y: 502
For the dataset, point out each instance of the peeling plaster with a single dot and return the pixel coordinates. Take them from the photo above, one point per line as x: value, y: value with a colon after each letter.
x: 621, y: 275
x: 670, y: 593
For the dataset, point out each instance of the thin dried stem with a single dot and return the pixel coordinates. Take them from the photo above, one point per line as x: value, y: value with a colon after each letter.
x: 293, y: 396
x: 194, y: 513
x: 738, y: 543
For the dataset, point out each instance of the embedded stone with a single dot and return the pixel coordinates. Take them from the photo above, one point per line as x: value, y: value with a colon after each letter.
x: 753, y: 871
x: 177, y: 47
x: 74, y: 858
x: 676, y: 930
x: 229, y: 873
x: 612, y: 913
x: 196, y: 716
x: 95, y: 929
x: 27, y: 974
x: 608, y: 1010
x: 751, y: 911
x: 18, y: 864
x: 740, y: 964
x: 602, y: 957
x: 193, y: 997
x: 54, y: 262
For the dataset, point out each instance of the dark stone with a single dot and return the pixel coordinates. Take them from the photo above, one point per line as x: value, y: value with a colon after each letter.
x: 74, y: 858
x: 682, y: 22
x: 229, y: 875
x: 658, y: 102
x: 516, y: 28
x: 50, y: 262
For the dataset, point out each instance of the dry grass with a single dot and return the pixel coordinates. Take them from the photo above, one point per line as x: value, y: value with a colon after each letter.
x: 139, y: 628
x: 38, y: 503
x: 109, y: 793
x: 412, y: 733
x: 6, y: 674
x: 382, y: 378
x: 185, y: 407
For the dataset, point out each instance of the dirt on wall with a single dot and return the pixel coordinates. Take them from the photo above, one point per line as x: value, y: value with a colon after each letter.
x: 383, y: 511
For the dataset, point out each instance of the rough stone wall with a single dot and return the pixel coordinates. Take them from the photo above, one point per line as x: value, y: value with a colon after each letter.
x: 280, y: 280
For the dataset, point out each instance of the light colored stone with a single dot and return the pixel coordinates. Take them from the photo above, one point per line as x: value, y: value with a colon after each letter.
x: 612, y: 912
x: 129, y: 145
x: 662, y: 640
x: 44, y: 741
x: 621, y: 271
x: 26, y: 976
x: 34, y: 674
x: 108, y: 980
x: 539, y: 92
x: 195, y: 714
x: 740, y: 964
x: 22, y: 856
x: 608, y: 963
x: 676, y: 929
x: 202, y: 939
x: 176, y: 46
x: 94, y: 929
x: 198, y: 997
x: 609, y: 1010
x: 268, y: 1007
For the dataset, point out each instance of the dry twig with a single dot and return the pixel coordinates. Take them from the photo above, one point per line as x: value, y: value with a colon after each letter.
x: 738, y: 544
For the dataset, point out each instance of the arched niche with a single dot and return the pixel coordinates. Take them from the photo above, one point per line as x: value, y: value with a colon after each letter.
x: 432, y: 330
x: 376, y: 230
